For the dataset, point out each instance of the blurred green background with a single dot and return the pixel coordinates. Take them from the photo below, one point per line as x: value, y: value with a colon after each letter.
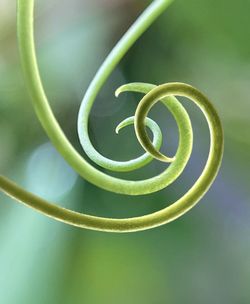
x: 204, y: 257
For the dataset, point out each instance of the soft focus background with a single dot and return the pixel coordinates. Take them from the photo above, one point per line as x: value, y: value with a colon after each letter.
x: 204, y: 257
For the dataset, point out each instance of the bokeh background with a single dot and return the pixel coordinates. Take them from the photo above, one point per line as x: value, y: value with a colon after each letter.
x: 204, y: 257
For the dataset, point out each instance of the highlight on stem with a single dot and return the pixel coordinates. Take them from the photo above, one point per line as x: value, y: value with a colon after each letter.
x: 165, y: 93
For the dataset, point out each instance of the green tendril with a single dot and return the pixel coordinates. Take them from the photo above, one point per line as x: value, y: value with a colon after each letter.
x: 152, y: 94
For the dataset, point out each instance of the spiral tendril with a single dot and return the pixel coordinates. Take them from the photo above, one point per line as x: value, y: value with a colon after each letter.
x: 152, y: 94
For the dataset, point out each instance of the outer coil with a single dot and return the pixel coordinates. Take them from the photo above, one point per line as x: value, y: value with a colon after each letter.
x: 165, y: 93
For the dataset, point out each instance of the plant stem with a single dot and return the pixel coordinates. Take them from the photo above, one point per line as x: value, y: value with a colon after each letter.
x: 153, y: 93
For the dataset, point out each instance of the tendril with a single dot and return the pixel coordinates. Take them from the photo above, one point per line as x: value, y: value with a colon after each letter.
x: 152, y: 94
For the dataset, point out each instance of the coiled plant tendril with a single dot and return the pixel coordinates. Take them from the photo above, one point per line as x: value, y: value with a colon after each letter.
x: 165, y: 93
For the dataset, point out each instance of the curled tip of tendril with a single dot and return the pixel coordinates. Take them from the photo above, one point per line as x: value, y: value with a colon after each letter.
x: 164, y: 93
x: 143, y: 137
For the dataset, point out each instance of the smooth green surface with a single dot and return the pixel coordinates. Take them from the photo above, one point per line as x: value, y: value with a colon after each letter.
x: 40, y: 103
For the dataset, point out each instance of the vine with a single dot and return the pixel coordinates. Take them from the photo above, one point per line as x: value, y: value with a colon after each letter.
x: 152, y: 94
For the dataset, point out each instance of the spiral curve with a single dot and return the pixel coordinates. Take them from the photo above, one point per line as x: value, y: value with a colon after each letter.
x: 165, y: 93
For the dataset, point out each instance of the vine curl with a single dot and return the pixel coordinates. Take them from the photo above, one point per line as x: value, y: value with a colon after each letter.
x: 152, y: 94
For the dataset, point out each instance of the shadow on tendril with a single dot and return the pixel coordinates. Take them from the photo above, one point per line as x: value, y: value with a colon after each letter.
x: 152, y: 94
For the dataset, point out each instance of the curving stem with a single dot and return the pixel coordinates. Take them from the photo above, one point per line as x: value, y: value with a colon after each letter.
x: 165, y: 93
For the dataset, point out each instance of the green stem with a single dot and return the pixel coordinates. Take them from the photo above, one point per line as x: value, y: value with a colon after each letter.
x: 153, y: 94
